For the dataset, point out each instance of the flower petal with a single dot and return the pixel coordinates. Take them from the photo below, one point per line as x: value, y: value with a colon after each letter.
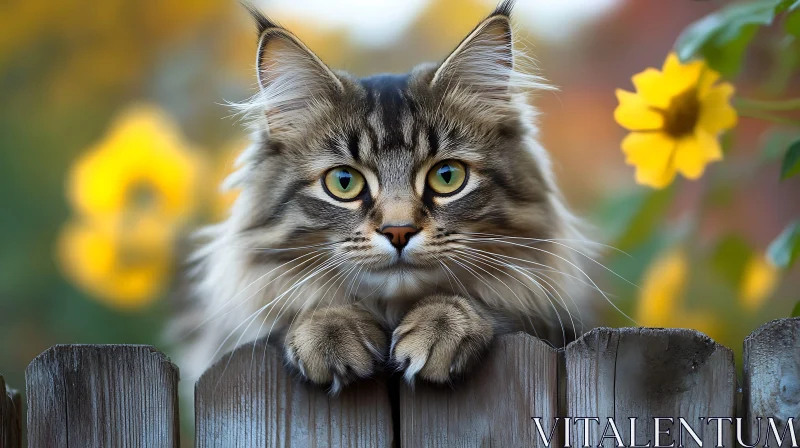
x: 662, y: 290
x: 716, y: 112
x: 759, y: 280
x: 707, y: 79
x: 687, y: 74
x: 650, y: 85
x: 650, y: 153
x: 635, y: 114
x: 695, y: 152
x: 658, y: 88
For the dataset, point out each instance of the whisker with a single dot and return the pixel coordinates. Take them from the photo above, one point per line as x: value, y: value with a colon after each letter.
x: 522, y: 304
x: 455, y: 277
x: 258, y: 311
x: 552, y: 294
x: 447, y: 275
x: 542, y: 267
x: 340, y: 261
x: 555, y: 241
x: 279, y: 249
x: 292, y: 297
x: 578, y: 269
x: 293, y: 293
x: 474, y: 274
x: 213, y: 317
x: 333, y: 296
x: 574, y: 240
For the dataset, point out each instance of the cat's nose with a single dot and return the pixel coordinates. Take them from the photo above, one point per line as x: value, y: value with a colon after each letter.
x: 399, y: 235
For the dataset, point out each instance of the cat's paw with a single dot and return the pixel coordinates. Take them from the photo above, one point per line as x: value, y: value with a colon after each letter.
x: 439, y: 339
x: 336, y: 345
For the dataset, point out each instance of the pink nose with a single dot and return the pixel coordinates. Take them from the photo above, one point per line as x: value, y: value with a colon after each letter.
x: 399, y: 235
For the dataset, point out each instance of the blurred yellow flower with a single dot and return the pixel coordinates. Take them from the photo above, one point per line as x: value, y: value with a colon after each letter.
x: 662, y: 289
x: 141, y: 165
x: 130, y: 192
x: 123, y: 263
x: 760, y: 277
x: 676, y: 116
x: 661, y: 297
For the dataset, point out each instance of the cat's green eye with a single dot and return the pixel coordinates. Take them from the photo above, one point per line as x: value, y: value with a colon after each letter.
x: 447, y: 178
x: 343, y: 183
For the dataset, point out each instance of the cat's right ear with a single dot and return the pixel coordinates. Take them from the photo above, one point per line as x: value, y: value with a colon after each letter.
x: 292, y: 79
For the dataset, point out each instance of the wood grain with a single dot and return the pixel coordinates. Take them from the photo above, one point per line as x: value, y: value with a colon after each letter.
x: 102, y: 395
x: 249, y: 399
x: 518, y: 380
x: 772, y: 379
x: 648, y: 373
x: 10, y: 413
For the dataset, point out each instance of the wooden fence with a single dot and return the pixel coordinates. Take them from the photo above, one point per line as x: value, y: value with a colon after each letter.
x: 126, y: 396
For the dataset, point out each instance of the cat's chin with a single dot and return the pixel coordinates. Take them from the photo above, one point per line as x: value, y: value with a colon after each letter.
x: 397, y: 267
x: 401, y: 280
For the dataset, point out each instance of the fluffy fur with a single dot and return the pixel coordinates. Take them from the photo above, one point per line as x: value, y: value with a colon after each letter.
x: 293, y: 262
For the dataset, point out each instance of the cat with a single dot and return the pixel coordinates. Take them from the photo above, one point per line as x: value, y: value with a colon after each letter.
x: 393, y: 221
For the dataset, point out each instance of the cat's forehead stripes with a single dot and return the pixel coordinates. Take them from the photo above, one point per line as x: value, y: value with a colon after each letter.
x: 396, y: 140
x: 390, y: 112
x: 387, y: 99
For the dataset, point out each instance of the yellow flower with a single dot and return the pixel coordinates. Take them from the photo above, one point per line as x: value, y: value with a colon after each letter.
x: 676, y: 117
x: 662, y: 289
x: 131, y: 192
x: 141, y: 165
x: 661, y: 297
x: 123, y: 263
x: 758, y: 282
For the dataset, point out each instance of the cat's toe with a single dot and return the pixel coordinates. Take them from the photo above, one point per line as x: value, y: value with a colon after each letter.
x: 336, y: 348
x: 440, y: 339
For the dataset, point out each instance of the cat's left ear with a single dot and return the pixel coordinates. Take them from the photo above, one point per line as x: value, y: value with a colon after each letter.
x: 482, y: 65
x: 295, y: 84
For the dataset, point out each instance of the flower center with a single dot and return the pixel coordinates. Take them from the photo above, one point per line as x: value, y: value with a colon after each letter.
x: 681, y: 116
x: 142, y: 195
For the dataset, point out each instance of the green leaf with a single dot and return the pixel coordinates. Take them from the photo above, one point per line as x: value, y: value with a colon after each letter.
x: 791, y: 161
x: 774, y: 143
x: 730, y: 257
x: 787, y: 5
x: 792, y: 23
x: 783, y: 251
x: 722, y: 37
x: 727, y: 59
x: 796, y: 310
x: 648, y: 210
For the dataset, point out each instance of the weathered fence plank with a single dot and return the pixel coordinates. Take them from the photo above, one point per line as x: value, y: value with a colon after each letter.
x: 772, y: 380
x: 647, y: 374
x: 248, y: 399
x: 10, y: 422
x: 518, y: 380
x: 102, y: 395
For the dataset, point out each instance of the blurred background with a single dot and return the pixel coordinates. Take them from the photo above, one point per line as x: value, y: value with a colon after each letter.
x: 113, y: 106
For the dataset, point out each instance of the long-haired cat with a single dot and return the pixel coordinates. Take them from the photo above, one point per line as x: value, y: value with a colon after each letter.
x: 393, y: 221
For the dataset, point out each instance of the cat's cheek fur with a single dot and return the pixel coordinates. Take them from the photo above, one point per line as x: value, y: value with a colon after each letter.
x: 440, y: 339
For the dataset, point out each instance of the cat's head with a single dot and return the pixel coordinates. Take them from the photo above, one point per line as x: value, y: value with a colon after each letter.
x: 394, y: 174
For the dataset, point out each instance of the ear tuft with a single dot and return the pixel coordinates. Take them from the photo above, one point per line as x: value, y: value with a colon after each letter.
x: 295, y: 85
x: 263, y: 22
x: 504, y: 9
x: 482, y: 63
x: 483, y: 73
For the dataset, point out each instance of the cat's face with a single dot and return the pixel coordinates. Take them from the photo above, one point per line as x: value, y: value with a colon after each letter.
x: 392, y: 174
